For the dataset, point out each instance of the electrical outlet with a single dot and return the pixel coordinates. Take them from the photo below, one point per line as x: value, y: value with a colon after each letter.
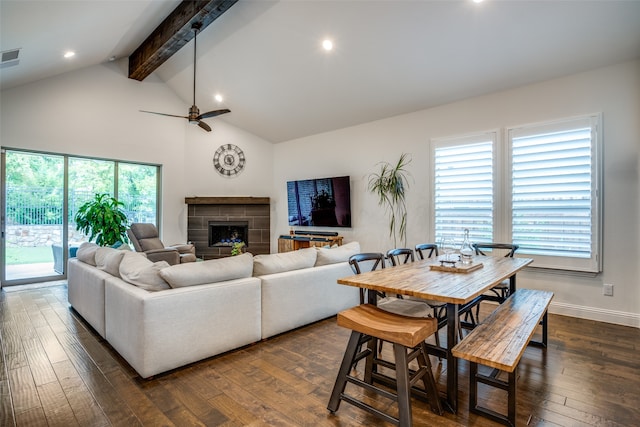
x: 607, y: 290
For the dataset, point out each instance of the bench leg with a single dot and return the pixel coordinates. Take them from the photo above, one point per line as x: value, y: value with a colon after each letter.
x: 545, y: 332
x: 509, y: 386
x: 511, y: 395
x: 544, y: 328
x: 473, y: 386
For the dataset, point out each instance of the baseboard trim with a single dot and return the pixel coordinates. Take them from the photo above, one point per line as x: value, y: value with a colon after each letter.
x: 597, y: 314
x: 592, y: 313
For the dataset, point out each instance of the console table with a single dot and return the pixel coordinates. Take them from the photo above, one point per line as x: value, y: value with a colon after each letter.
x: 293, y: 242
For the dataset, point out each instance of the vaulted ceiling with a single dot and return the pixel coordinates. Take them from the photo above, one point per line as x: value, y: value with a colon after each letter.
x: 390, y: 57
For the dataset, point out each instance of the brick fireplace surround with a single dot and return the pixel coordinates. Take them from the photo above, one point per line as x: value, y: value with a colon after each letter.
x: 253, y: 210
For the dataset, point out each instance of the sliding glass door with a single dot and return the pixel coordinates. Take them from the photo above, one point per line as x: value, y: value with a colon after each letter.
x: 41, y: 193
x: 33, y: 189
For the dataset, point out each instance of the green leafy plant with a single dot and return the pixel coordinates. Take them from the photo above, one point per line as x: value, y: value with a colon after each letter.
x: 390, y: 186
x: 237, y: 248
x: 103, y: 219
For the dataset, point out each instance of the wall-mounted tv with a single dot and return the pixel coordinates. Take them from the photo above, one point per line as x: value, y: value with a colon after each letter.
x: 321, y: 202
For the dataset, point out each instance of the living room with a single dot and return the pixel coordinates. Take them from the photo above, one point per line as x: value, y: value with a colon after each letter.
x: 93, y: 111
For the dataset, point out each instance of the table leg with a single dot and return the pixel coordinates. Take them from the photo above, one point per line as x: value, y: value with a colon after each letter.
x: 452, y: 362
x: 512, y: 284
x: 372, y: 345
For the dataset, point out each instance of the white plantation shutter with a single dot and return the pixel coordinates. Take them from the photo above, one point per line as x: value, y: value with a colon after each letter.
x: 464, y: 187
x: 554, y: 200
x: 540, y: 190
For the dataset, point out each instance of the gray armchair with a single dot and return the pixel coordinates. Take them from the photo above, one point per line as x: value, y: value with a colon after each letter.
x: 145, y: 239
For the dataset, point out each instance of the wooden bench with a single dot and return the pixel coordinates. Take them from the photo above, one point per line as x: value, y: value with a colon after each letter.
x: 499, y: 342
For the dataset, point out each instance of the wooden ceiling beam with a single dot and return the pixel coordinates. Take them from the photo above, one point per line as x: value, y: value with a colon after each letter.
x: 173, y: 33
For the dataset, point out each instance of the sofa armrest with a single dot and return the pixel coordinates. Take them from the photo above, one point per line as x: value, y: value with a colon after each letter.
x: 159, y: 331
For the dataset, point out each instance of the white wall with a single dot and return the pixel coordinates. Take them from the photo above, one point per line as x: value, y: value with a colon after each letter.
x: 94, y: 112
x: 614, y: 91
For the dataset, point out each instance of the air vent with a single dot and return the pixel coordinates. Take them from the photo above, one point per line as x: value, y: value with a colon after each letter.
x: 9, y: 58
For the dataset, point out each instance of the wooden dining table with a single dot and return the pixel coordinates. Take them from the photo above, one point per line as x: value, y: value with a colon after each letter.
x: 458, y: 290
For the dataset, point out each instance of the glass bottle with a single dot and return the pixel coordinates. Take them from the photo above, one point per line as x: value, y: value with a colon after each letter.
x: 466, y: 251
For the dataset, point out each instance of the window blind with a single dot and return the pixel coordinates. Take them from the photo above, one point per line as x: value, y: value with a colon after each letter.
x: 553, y: 196
x: 463, y: 189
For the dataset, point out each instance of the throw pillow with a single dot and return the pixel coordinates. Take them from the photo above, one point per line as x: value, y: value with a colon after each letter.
x: 211, y: 271
x: 108, y: 259
x: 338, y: 254
x: 286, y: 261
x: 87, y: 253
x: 136, y: 269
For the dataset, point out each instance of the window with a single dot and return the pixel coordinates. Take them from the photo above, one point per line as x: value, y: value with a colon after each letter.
x: 42, y: 193
x: 554, y: 205
x: 463, y: 186
x: 544, y: 199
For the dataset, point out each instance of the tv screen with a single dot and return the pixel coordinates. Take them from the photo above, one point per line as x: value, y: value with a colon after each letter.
x: 322, y: 202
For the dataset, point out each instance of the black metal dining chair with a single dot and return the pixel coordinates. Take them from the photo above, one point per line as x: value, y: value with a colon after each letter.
x: 500, y: 292
x: 427, y: 251
x: 400, y: 256
x: 371, y: 261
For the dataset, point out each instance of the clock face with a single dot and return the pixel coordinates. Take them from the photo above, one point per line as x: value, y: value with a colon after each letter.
x: 229, y: 160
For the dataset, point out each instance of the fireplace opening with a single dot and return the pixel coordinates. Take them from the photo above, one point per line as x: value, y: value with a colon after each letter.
x: 226, y: 233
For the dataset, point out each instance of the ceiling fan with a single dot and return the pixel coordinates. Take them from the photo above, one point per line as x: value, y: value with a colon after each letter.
x: 194, y: 112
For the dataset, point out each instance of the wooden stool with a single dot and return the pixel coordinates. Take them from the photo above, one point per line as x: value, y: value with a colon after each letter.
x: 368, y: 322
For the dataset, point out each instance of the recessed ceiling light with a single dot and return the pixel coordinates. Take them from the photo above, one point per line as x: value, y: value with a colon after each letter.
x: 69, y: 54
x: 327, y: 44
x: 218, y: 97
x: 478, y: 1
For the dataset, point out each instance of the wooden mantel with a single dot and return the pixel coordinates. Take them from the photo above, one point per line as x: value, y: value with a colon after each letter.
x: 232, y: 200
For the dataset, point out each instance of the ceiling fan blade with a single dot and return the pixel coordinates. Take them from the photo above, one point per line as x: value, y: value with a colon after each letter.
x: 163, y: 114
x: 204, y: 126
x: 213, y: 113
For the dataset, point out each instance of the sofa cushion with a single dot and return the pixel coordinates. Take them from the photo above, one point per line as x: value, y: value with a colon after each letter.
x: 286, y: 261
x: 337, y: 254
x: 108, y: 259
x: 136, y: 269
x: 211, y: 271
x: 87, y: 253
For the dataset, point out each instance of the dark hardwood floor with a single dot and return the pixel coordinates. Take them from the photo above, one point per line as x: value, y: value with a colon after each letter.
x: 55, y: 370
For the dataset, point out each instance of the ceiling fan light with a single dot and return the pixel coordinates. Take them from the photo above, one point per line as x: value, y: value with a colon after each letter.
x: 194, y: 121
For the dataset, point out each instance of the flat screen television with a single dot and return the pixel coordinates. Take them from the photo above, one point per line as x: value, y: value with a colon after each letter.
x: 320, y: 202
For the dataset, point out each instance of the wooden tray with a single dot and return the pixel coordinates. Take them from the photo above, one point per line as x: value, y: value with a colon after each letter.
x: 459, y: 268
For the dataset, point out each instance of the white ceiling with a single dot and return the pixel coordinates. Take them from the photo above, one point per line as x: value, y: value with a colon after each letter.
x: 390, y: 57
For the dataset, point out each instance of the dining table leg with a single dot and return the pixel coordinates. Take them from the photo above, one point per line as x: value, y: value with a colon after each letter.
x: 453, y: 318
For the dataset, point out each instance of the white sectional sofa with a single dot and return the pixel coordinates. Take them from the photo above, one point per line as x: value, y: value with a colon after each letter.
x: 160, y: 317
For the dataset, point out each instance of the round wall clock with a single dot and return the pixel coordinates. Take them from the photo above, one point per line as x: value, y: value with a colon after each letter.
x: 229, y: 160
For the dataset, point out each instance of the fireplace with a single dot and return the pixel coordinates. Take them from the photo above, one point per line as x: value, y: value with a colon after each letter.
x: 239, y: 217
x: 226, y: 233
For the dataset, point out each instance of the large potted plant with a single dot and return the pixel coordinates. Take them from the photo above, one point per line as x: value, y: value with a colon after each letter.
x: 103, y: 219
x: 390, y: 185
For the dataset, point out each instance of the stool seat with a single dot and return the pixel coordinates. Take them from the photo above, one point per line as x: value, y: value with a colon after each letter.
x: 387, y: 326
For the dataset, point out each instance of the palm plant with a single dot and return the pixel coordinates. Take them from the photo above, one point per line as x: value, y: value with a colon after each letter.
x: 390, y: 185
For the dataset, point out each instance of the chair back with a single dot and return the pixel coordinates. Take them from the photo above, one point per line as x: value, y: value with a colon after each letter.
x: 144, y: 236
x: 426, y: 250
x: 482, y: 248
x: 372, y: 260
x: 400, y: 256
x: 367, y: 261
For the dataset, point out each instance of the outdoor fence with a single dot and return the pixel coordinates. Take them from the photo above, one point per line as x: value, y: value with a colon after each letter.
x: 34, y: 215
